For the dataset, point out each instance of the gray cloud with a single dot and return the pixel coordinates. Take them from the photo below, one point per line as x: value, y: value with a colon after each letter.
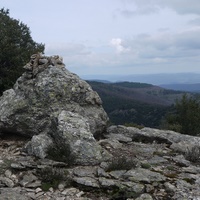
x: 189, y: 40
x: 183, y: 6
x: 148, y: 7
x: 146, y: 53
x: 195, y: 21
x: 184, y: 44
x: 139, y: 11
x: 163, y: 51
x: 96, y: 39
x: 142, y: 53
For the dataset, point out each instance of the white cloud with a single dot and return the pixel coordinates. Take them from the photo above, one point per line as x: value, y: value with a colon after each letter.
x: 195, y: 21
x: 117, y: 43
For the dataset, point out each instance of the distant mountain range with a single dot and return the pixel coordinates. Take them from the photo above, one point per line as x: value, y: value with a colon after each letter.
x: 155, y: 79
x: 133, y: 102
x: 183, y: 87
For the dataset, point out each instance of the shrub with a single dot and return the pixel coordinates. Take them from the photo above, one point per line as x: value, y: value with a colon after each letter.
x: 193, y: 154
x: 5, y: 165
x: 123, y: 194
x: 61, y: 152
x: 51, y: 177
x: 171, y: 168
x: 121, y: 163
x: 134, y: 125
x: 145, y: 165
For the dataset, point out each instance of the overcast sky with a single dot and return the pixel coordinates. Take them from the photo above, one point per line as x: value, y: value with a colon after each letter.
x: 115, y: 36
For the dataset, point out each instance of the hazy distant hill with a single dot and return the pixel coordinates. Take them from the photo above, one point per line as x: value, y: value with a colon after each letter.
x: 183, y: 87
x: 156, y: 79
x: 140, y: 103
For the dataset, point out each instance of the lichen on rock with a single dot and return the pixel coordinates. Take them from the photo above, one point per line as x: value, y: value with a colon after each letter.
x: 44, y: 93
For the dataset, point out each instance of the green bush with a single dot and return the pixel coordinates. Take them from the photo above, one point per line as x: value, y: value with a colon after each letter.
x: 5, y: 165
x: 61, y: 152
x: 193, y: 154
x: 134, y: 125
x: 145, y: 165
x: 121, y: 163
x: 123, y: 194
x: 52, y: 177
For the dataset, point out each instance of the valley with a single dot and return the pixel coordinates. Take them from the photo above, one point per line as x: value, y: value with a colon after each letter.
x: 135, y: 103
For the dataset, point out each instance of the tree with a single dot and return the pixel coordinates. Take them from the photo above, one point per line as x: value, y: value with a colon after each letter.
x: 185, y: 117
x: 16, y: 47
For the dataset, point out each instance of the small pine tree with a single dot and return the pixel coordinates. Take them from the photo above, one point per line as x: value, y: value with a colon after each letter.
x: 185, y: 117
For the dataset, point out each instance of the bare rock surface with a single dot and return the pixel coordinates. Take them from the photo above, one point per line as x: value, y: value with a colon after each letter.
x: 50, y: 103
x: 159, y: 172
x: 37, y: 97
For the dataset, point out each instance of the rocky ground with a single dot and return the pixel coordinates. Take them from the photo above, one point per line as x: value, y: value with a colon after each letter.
x: 141, y: 169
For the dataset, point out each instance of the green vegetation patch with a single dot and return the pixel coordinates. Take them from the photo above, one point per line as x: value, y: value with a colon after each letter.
x: 184, y: 116
x: 145, y: 165
x: 52, y: 177
x: 16, y: 47
x: 193, y: 154
x: 61, y: 152
x: 121, y: 163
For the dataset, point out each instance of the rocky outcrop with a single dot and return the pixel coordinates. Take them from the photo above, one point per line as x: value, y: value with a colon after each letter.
x: 176, y: 141
x: 173, y: 156
x: 42, y: 94
x: 157, y: 171
x: 48, y: 102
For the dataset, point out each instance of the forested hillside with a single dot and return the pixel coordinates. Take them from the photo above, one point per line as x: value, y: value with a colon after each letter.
x: 135, y: 103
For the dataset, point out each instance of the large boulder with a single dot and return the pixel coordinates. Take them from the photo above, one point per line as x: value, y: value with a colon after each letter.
x: 46, y: 96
